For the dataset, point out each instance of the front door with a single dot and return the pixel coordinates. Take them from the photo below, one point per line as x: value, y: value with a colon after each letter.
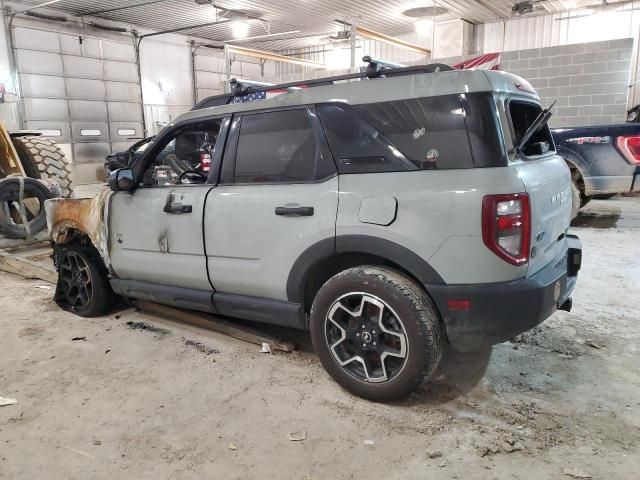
x: 278, y: 195
x: 155, y: 231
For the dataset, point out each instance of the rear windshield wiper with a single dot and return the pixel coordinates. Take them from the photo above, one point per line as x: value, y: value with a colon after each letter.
x: 540, y: 121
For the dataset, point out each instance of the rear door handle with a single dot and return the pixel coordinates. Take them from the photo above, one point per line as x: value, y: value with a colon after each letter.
x: 297, y: 211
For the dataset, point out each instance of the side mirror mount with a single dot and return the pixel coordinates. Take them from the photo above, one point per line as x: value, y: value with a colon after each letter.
x: 122, y: 180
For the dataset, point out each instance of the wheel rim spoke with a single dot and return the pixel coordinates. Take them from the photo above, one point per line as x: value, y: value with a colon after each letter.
x: 366, y: 337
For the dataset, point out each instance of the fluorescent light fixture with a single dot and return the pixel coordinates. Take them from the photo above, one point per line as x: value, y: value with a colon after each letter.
x: 239, y: 28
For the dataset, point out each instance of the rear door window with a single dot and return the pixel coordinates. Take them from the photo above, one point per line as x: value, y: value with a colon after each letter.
x: 357, y: 146
x: 281, y: 147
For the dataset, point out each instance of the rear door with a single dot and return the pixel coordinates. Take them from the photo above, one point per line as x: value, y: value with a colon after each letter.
x: 547, y: 180
x: 277, y: 196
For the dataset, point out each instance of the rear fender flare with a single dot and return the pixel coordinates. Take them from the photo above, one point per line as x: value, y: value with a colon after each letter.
x: 357, y: 244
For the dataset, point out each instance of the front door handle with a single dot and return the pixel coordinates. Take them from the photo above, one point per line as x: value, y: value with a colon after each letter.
x: 297, y: 211
x: 178, y: 208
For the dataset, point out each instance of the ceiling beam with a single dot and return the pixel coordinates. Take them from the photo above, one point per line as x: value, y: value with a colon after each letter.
x: 263, y: 54
x: 123, y: 7
x: 381, y: 37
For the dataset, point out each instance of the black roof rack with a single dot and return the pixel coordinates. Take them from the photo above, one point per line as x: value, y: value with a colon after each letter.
x: 373, y: 70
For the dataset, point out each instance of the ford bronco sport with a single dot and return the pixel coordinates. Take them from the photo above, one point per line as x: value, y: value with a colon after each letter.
x: 390, y: 215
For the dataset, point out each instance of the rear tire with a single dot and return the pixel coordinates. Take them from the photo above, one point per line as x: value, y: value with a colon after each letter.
x: 575, y: 199
x: 43, y: 159
x: 380, y: 364
x: 83, y: 285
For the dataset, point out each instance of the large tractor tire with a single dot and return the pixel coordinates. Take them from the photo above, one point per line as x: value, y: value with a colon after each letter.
x: 43, y: 159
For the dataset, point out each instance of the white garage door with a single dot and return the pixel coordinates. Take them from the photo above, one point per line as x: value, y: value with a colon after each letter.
x: 82, y: 91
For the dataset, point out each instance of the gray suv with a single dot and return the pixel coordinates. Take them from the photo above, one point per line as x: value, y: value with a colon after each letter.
x: 389, y: 213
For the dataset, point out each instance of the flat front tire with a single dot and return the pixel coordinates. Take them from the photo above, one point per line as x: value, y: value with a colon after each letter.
x: 377, y: 333
x: 83, y: 286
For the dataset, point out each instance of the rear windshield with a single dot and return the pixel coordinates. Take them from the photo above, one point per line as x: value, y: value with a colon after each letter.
x: 522, y: 115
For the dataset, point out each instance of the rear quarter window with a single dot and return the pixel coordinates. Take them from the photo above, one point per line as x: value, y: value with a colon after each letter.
x: 521, y: 115
x: 414, y: 134
x: 430, y: 132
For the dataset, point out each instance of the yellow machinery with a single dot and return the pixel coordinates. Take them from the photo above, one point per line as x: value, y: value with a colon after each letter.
x: 32, y: 169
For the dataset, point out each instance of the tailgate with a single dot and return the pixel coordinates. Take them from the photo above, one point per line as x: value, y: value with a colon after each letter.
x: 548, y: 183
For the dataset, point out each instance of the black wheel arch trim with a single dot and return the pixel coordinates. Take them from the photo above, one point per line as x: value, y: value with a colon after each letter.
x: 363, y: 244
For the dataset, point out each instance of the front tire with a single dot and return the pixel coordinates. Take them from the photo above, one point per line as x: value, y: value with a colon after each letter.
x: 377, y: 333
x: 83, y: 286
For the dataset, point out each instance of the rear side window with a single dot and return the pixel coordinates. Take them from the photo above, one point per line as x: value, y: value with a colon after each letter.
x: 412, y: 134
x: 430, y: 132
x: 522, y: 115
x: 280, y: 147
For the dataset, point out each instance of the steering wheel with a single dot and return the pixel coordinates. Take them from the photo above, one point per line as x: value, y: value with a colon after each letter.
x: 192, y: 172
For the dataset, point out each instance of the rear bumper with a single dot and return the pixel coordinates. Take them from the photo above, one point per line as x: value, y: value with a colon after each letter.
x: 498, y: 311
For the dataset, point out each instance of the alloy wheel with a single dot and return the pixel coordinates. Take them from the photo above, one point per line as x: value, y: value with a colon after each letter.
x: 366, y: 337
x: 76, y: 283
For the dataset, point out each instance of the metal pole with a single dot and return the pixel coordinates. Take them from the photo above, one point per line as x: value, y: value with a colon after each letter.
x: 227, y: 69
x: 136, y: 45
x: 352, y: 38
x: 194, y: 81
x: 16, y: 76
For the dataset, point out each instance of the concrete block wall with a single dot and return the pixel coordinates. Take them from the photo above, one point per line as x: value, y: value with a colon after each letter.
x: 589, y: 80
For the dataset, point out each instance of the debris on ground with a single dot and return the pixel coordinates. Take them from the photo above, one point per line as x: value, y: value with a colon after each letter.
x: 145, y: 326
x: 575, y: 473
x: 96, y: 442
x: 592, y: 344
x: 201, y: 347
x: 369, y: 441
x: 75, y: 339
x: 44, y: 287
x: 297, y: 436
x: 265, y: 348
x: 7, y: 401
x: 434, y: 454
x: 232, y: 446
x: 443, y: 463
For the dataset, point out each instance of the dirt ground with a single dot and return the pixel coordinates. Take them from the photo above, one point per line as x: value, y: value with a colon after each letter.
x: 174, y: 401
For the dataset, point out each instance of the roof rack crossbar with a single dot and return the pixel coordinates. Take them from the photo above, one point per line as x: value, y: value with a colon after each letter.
x: 316, y: 82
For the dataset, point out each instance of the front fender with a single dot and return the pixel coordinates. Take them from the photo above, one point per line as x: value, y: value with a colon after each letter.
x: 68, y: 217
